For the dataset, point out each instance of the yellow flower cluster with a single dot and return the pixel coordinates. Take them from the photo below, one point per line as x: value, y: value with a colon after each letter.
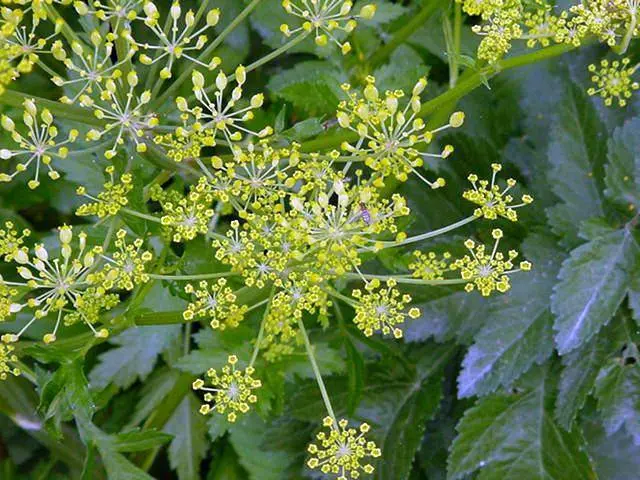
x: 184, y: 217
x: 342, y: 451
x: 11, y: 240
x: 391, y: 131
x: 487, y: 272
x: 111, y: 199
x: 613, y: 81
x: 73, y: 286
x: 428, y: 266
x: 217, y: 302
x: 231, y: 391
x: 7, y: 362
x: 37, y: 146
x: 493, y: 201
x: 326, y: 18
x: 382, y: 309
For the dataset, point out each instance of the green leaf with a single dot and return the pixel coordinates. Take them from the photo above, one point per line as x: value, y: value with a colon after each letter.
x: 579, y: 373
x: 67, y: 391
x: 153, y: 393
x: 593, y: 283
x: 623, y: 169
x: 247, y: 438
x: 119, y: 468
x: 134, y: 357
x: 515, y: 436
x: 576, y: 154
x: 399, y: 408
x: 402, y: 72
x: 519, y: 331
x: 226, y: 466
x: 189, y: 444
x: 355, y: 374
x: 312, y: 87
x: 616, y: 457
x: 139, y: 441
x: 618, y: 394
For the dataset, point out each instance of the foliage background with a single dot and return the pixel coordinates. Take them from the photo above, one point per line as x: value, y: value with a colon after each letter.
x: 542, y: 382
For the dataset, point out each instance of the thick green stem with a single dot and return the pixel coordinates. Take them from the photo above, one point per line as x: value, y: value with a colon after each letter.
x: 203, y: 276
x: 316, y: 372
x: 14, y: 98
x: 405, y: 32
x: 169, y: 92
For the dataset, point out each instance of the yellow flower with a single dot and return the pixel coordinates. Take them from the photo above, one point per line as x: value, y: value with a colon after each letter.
x: 342, y: 451
x: 428, y: 266
x: 231, y: 392
x: 391, y: 131
x: 324, y: 18
x: 38, y: 146
x: 111, y: 199
x: 7, y: 358
x: 217, y: 302
x: 485, y: 272
x: 613, y: 81
x: 382, y: 309
x: 11, y: 240
x: 493, y: 201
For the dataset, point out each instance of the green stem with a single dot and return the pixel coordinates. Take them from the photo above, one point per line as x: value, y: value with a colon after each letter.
x: 457, y: 40
x: 144, y: 216
x: 203, y: 276
x: 277, y: 52
x: 316, y: 372
x: 401, y: 279
x: 265, y: 315
x: 14, y: 98
x: 169, y: 92
x: 405, y: 32
x: 431, y: 234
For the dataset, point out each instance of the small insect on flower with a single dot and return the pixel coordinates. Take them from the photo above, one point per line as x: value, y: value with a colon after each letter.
x: 614, y: 81
x: 39, y: 145
x: 111, y: 199
x: 493, y: 201
x: 382, y: 309
x: 342, y: 451
x: 488, y: 273
x: 324, y: 18
x: 8, y: 361
x: 231, y: 392
x: 217, y: 302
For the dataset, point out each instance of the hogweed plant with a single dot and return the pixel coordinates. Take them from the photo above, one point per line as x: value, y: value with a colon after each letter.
x: 251, y: 230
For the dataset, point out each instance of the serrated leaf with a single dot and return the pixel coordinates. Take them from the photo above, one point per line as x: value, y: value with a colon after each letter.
x: 155, y: 389
x: 312, y: 87
x: 134, y: 357
x: 576, y: 153
x: 618, y: 394
x: 593, y: 283
x: 579, y: 373
x: 247, y: 437
x: 623, y: 170
x: 518, y: 332
x: 189, y: 444
x: 515, y: 436
x: 400, y: 407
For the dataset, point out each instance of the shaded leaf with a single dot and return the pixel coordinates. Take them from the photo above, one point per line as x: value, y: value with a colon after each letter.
x: 623, y: 169
x: 189, y: 444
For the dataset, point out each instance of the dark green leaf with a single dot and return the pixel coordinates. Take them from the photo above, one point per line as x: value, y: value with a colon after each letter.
x: 623, y: 169
x: 138, y: 441
x: 515, y: 436
x: 593, y: 283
